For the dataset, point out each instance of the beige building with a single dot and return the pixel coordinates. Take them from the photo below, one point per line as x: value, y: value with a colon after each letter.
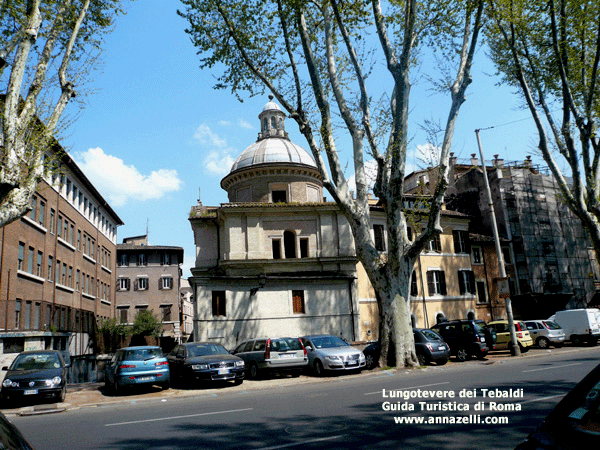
x: 148, y: 279
x: 277, y: 259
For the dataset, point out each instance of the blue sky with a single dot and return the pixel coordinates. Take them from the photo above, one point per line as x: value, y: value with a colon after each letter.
x: 154, y: 133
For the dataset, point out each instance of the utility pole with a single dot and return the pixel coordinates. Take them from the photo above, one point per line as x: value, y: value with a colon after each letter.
x: 514, y: 348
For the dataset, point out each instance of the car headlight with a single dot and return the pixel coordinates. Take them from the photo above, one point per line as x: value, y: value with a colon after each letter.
x: 8, y: 383
x: 56, y: 381
x: 333, y: 358
x: 239, y: 363
x: 200, y: 366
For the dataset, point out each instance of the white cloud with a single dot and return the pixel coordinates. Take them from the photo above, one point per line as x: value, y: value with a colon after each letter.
x: 218, y: 163
x: 242, y: 123
x: 120, y: 182
x: 224, y: 123
x: 206, y: 137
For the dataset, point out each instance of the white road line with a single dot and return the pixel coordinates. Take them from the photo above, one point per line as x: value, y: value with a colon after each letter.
x: 552, y: 367
x: 542, y: 399
x: 295, y: 444
x: 414, y: 387
x: 177, y: 417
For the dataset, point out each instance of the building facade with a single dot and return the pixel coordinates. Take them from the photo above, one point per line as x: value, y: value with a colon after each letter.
x: 277, y: 259
x: 57, y: 275
x: 148, y: 278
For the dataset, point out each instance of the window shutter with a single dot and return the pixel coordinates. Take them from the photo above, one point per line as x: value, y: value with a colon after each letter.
x: 456, y: 238
x: 430, y: 284
x: 461, y: 281
x: 414, y: 289
x: 442, y: 282
x: 471, y: 279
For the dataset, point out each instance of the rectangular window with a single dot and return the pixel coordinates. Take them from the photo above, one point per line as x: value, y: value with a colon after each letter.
x: 298, y: 301
x: 166, y: 312
x: 303, y: 247
x: 481, y: 292
x: 466, y: 282
x: 142, y: 259
x: 30, y: 253
x: 279, y: 196
x: 36, y: 315
x: 378, y: 233
x: 50, y: 266
x: 166, y: 259
x: 506, y: 255
x: 33, y: 208
x: 142, y: 283
x: 461, y: 241
x: 123, y: 260
x: 476, y: 256
x: 52, y: 219
x: 218, y: 303
x: 123, y: 312
x: 436, y: 282
x: 21, y: 257
x: 435, y: 244
x: 77, y: 275
x: 123, y: 284
x: 38, y: 266
x: 60, y: 225
x: 276, y: 244
x: 70, y: 277
x: 414, y: 287
x: 79, y: 240
x: 63, y: 278
x: 17, y: 315
x: 42, y: 212
x: 27, y: 317
x: 57, y: 280
x: 166, y: 283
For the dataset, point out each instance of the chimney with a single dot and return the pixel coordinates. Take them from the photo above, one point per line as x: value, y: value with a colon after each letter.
x: 452, y: 160
x: 528, y: 163
x: 497, y: 162
x: 474, y: 160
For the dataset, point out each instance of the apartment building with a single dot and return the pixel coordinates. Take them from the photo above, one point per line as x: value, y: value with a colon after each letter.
x: 57, y: 274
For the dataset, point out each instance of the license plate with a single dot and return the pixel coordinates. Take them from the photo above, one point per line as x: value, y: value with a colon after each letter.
x: 286, y: 355
x: 441, y: 347
x: 223, y: 371
x: 354, y: 362
x: 30, y: 392
x: 145, y: 379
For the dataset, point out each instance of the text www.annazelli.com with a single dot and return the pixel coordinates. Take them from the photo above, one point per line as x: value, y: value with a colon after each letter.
x: 451, y: 420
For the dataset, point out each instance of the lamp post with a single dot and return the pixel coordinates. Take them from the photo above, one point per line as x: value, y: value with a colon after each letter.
x: 514, y: 347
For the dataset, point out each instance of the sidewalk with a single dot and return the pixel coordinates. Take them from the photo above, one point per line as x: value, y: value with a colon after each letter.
x: 94, y: 395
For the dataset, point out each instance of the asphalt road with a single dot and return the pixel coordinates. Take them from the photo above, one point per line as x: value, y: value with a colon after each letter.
x: 341, y: 412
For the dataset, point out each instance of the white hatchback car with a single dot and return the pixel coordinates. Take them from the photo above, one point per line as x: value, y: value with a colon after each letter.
x: 327, y: 352
x: 545, y: 332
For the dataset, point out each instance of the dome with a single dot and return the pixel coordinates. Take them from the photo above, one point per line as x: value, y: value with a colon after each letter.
x: 271, y: 106
x: 273, y: 150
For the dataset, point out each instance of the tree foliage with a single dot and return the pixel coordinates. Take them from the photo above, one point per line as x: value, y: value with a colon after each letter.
x: 341, y: 71
x: 146, y: 324
x: 550, y: 51
x: 47, y: 49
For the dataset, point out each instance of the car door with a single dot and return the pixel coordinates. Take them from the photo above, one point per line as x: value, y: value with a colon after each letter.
x: 502, y: 334
x: 176, y: 360
x: 534, y: 329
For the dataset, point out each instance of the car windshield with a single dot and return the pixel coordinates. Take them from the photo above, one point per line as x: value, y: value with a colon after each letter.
x: 551, y: 325
x: 36, y: 361
x: 328, y: 342
x: 142, y: 354
x: 206, y: 350
x: 285, y: 345
x: 431, y: 335
x: 480, y: 327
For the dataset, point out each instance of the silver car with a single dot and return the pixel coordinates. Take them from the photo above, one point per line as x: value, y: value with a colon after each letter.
x: 280, y: 355
x: 545, y: 332
x: 326, y: 352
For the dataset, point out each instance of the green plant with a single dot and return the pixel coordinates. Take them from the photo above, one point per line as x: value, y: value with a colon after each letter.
x: 146, y: 324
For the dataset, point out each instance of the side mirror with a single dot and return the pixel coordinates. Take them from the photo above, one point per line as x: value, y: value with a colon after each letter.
x: 5, y: 368
x: 308, y: 348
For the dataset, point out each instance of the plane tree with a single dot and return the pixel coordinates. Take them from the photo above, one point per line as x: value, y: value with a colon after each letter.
x: 342, y: 71
x: 550, y: 52
x: 47, y: 51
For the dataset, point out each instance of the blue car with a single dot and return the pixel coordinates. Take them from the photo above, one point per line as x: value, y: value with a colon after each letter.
x: 137, y: 366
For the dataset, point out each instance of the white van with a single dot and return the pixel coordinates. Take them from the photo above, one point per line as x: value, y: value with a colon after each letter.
x: 580, y: 325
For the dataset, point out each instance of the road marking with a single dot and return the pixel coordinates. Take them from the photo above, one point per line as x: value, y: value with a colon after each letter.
x: 414, y: 387
x: 542, y: 399
x: 295, y: 444
x: 552, y: 367
x: 177, y: 417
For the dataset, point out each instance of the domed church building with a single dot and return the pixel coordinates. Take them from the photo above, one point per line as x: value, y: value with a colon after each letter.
x: 277, y: 260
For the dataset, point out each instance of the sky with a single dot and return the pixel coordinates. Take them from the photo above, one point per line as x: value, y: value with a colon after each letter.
x: 154, y: 135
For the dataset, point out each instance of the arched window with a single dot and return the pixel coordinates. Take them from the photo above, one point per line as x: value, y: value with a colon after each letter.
x: 274, y: 122
x: 265, y: 124
x: 289, y: 244
x: 470, y: 315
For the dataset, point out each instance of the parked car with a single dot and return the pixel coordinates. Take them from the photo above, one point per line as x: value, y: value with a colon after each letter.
x: 579, y: 325
x: 429, y: 346
x: 10, y: 436
x: 137, y: 366
x: 327, y: 352
x: 205, y: 361
x: 545, y: 333
x: 36, y: 373
x: 503, y: 335
x: 466, y: 338
x: 574, y: 423
x: 280, y: 355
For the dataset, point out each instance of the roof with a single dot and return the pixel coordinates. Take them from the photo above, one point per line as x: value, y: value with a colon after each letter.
x: 273, y: 150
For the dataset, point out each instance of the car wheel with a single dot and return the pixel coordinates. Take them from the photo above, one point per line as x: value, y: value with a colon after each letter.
x: 318, y: 366
x: 543, y: 342
x: 575, y: 340
x: 370, y: 362
x: 422, y: 360
x: 253, y: 370
x: 462, y: 354
x: 63, y: 395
